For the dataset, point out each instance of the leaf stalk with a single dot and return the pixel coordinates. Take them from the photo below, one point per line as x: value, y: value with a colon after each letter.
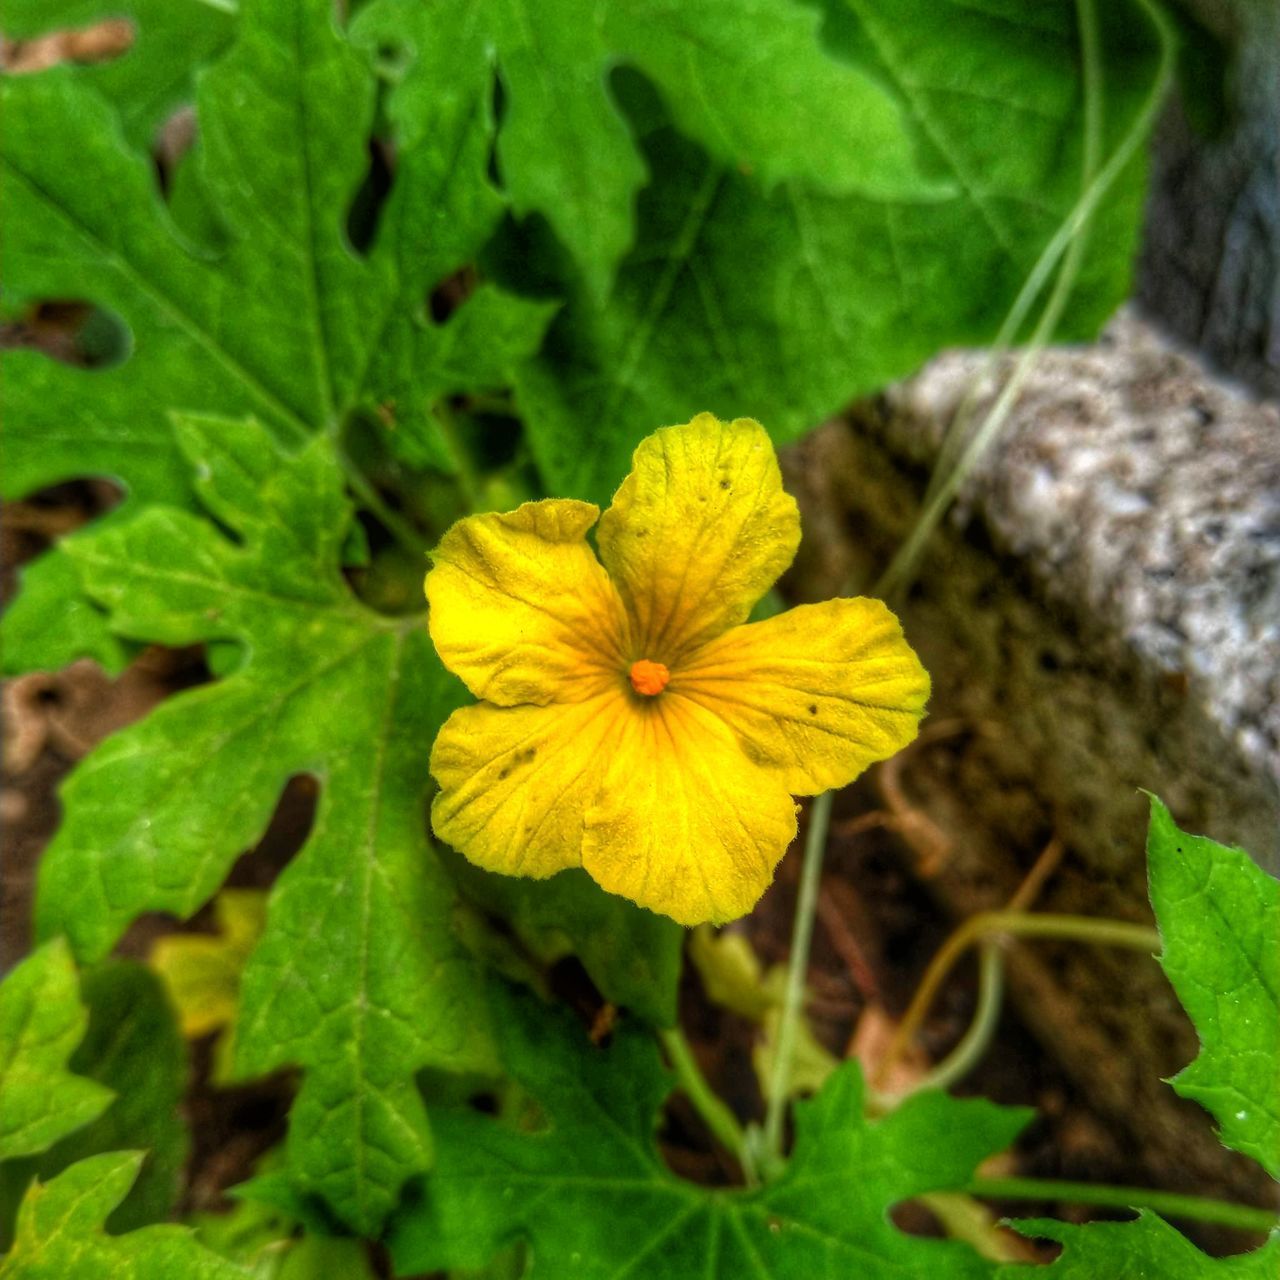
x: 1170, y: 1204
x: 708, y: 1104
x: 797, y: 968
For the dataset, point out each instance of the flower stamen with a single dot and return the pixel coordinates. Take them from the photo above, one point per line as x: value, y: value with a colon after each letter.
x: 649, y: 678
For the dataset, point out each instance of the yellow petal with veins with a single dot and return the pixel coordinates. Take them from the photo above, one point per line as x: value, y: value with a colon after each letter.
x: 515, y: 782
x: 697, y: 533
x: 521, y: 609
x: 684, y: 823
x: 814, y: 695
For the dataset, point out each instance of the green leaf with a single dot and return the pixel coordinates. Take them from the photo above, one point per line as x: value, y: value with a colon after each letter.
x: 632, y: 955
x: 50, y: 623
x: 285, y: 321
x: 1219, y: 918
x: 358, y: 978
x: 264, y: 1238
x: 171, y: 40
x: 785, y: 305
x: 1145, y: 1249
x: 591, y: 1194
x: 60, y: 1233
x: 134, y: 1049
x: 747, y: 78
x: 41, y: 1022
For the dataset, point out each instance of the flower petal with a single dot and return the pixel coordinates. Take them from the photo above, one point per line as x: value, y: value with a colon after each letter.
x: 515, y: 782
x: 815, y: 694
x: 684, y: 823
x: 521, y: 609
x: 697, y: 533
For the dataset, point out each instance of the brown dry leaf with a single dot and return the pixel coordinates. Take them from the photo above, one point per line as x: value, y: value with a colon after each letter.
x: 26, y: 721
x: 870, y: 1043
x: 97, y: 43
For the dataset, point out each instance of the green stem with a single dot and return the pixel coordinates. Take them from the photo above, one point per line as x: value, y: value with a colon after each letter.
x: 1091, y: 62
x: 708, y: 1104
x: 1068, y: 240
x: 1116, y: 933
x: 1169, y: 1203
x: 966, y: 1055
x: 797, y: 968
x: 1111, y: 933
x: 367, y: 492
x: 396, y: 525
x: 466, y: 475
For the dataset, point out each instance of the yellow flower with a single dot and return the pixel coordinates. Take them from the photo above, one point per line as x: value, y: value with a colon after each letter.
x: 630, y: 723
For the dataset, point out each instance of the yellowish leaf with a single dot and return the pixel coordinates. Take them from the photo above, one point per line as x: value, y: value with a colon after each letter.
x: 201, y: 972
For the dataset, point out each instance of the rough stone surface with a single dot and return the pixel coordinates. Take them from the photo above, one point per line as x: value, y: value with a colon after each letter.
x: 1138, y: 503
x: 1146, y: 498
x: 1100, y: 613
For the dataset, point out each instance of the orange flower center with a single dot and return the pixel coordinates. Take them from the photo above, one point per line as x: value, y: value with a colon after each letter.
x: 649, y: 678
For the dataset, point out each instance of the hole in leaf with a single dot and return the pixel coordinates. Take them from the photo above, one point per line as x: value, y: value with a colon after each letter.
x: 499, y: 118
x: 30, y: 526
x: 570, y: 983
x: 451, y: 293
x: 366, y: 207
x: 71, y: 331
x: 915, y: 1219
x: 174, y: 146
x: 286, y: 833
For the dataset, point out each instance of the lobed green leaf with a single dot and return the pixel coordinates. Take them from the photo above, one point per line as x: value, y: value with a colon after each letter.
x: 60, y: 1233
x: 1147, y: 1248
x: 749, y: 80
x: 41, y: 1022
x: 282, y: 319
x: 785, y: 304
x: 358, y: 977
x: 132, y: 1047
x: 590, y: 1193
x: 1219, y: 918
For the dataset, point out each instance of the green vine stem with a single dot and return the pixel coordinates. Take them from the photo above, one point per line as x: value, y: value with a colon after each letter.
x: 1068, y: 240
x: 1171, y: 1204
x: 966, y: 1055
x: 797, y: 967
x: 467, y: 480
x: 394, y: 523
x: 708, y: 1104
x: 988, y: 924
x: 1091, y: 63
